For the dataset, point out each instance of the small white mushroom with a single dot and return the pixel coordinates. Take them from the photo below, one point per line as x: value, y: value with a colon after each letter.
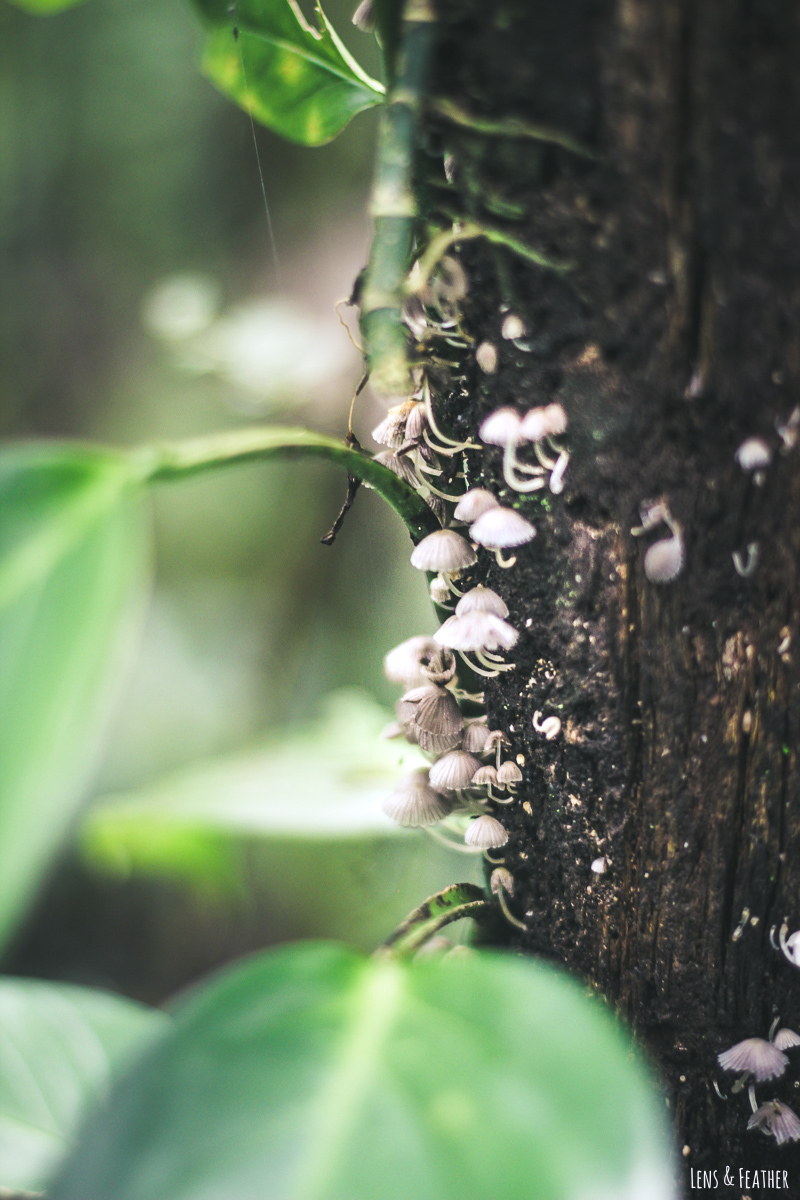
x: 486, y: 358
x: 664, y: 560
x: 481, y: 599
x: 392, y: 429
x: 778, y: 1120
x: 476, y: 631
x: 513, y: 327
x: 789, y: 945
x: 414, y: 802
x: 786, y: 1039
x: 445, y: 550
x: 403, y: 665
x: 474, y: 504
x: 440, y: 590
x: 548, y: 420
x: 600, y: 865
x: 499, y: 529
x: 756, y: 1056
x: 508, y: 773
x: 487, y: 833
x: 550, y: 727
x: 504, y: 428
x: 475, y: 736
x: 754, y: 454
x: 454, y: 770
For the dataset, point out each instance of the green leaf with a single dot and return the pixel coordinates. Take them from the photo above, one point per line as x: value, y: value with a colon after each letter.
x: 294, y: 77
x: 60, y: 1047
x: 72, y: 568
x: 312, y: 1073
x: 45, y: 7
x: 296, y: 822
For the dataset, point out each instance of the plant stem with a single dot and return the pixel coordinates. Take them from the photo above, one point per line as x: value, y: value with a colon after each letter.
x: 510, y: 127
x: 199, y: 456
x: 394, y: 208
x: 471, y: 230
x: 455, y: 902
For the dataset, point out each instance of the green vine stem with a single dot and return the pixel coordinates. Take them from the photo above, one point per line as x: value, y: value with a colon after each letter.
x: 394, y: 208
x: 470, y: 230
x: 199, y: 456
x: 509, y: 127
x: 454, y: 903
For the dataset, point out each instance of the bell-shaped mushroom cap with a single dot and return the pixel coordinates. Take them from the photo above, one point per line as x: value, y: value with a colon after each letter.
x: 403, y: 665
x: 414, y: 802
x: 486, y: 832
x: 475, y: 735
x: 761, y: 1058
x: 391, y: 431
x: 481, y: 599
x: 441, y: 667
x: 484, y: 776
x: 476, y: 631
x: 547, y: 421
x: 444, y: 550
x: 399, y: 465
x: 416, y: 422
x: 501, y: 877
x: 664, y: 560
x: 508, y: 772
x: 500, y: 528
x: 474, y: 504
x: 778, y: 1119
x: 513, y: 327
x: 486, y: 358
x: 786, y: 1039
x: 406, y: 707
x: 436, y: 719
x: 439, y: 589
x: 502, y: 428
x: 454, y: 770
x: 754, y: 454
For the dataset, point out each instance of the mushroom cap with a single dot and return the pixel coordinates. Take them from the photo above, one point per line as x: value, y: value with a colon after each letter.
x: 444, y: 550
x: 754, y: 454
x: 481, y: 599
x: 440, y: 591
x: 414, y: 802
x: 484, y: 776
x: 475, y: 735
x: 513, y: 327
x: 549, y: 420
x: 476, y: 631
x: 487, y: 833
x: 441, y: 667
x: 786, y: 1039
x: 599, y: 865
x: 403, y: 664
x: 502, y: 428
x: 501, y: 877
x: 399, y: 464
x: 433, y: 717
x: 486, y: 358
x: 778, y: 1119
x: 474, y: 504
x: 454, y: 770
x: 500, y: 528
x: 508, y: 772
x: 664, y: 560
x: 416, y: 422
x: 761, y: 1058
x: 391, y: 430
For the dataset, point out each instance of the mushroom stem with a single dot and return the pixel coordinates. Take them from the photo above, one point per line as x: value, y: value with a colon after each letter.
x: 721, y: 1095
x: 510, y: 466
x: 773, y: 1027
x: 547, y: 463
x: 505, y: 563
x: 495, y: 665
x: 468, y: 445
x: 507, y: 913
x: 751, y: 1095
x: 496, y: 862
x: 491, y: 674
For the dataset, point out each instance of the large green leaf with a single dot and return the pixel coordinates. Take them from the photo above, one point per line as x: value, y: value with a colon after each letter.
x: 72, y: 568
x: 297, y: 822
x: 295, y: 77
x: 60, y: 1047
x: 312, y: 1073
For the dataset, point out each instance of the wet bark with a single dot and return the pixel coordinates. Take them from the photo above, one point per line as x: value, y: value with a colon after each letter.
x: 675, y: 337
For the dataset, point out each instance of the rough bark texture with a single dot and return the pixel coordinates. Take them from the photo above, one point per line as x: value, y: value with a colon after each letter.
x: 676, y: 336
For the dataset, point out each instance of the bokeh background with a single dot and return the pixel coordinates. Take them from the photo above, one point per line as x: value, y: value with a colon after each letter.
x: 141, y: 298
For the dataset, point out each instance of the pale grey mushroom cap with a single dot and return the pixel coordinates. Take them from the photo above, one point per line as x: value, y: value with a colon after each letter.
x: 486, y: 358
x: 508, y: 772
x: 475, y: 735
x: 481, y: 599
x: 786, y: 1039
x: 549, y: 420
x: 399, y: 465
x: 761, y: 1058
x: 454, y: 770
x: 474, y: 504
x: 440, y: 590
x: 664, y: 560
x: 406, y: 707
x: 416, y: 422
x: 484, y: 776
x: 403, y: 664
x: 444, y: 550
x: 500, y: 528
x: 502, y: 428
x: 501, y: 877
x: 414, y: 802
x: 777, y: 1119
x: 487, y: 833
x: 391, y: 431
x: 477, y: 631
x: 435, y: 719
x: 754, y: 454
x: 513, y: 327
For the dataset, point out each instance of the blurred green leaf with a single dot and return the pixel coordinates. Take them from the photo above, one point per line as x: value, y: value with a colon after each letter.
x: 60, y: 1047
x: 73, y: 553
x: 43, y: 7
x: 313, y: 1073
x: 294, y: 77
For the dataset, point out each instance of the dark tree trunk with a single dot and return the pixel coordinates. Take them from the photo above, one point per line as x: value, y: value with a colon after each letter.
x: 675, y: 337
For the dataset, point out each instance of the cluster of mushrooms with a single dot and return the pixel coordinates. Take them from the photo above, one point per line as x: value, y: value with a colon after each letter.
x: 468, y: 770
x: 759, y: 1060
